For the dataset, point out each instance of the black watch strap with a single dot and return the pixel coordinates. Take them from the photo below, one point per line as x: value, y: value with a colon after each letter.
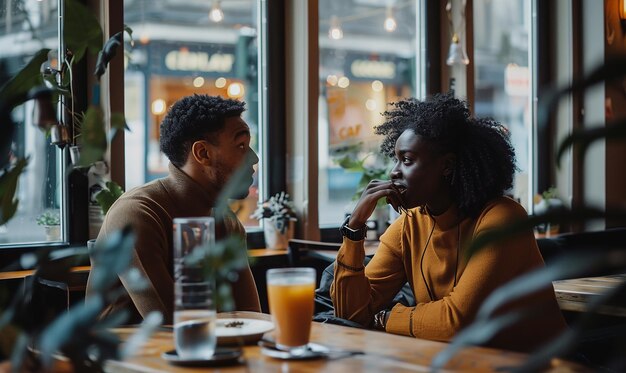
x: 353, y: 234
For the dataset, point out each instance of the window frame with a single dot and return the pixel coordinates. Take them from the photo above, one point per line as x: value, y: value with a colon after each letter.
x: 11, y: 251
x: 429, y: 72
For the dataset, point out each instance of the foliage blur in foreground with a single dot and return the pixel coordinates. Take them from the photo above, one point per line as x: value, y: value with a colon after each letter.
x: 78, y: 334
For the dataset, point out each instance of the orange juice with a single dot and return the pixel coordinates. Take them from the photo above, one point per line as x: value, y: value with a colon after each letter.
x: 291, y: 305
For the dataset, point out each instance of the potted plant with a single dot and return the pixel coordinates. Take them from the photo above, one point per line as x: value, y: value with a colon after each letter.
x: 108, y: 195
x: 51, y: 221
x: 280, y: 218
x: 543, y: 203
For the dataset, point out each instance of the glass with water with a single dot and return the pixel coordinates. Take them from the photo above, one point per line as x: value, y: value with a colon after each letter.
x: 194, y: 306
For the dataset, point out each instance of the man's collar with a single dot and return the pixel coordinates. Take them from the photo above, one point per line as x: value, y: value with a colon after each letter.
x: 183, y: 188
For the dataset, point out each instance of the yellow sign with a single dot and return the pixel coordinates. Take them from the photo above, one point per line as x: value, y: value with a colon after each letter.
x: 199, y: 61
x: 373, y: 69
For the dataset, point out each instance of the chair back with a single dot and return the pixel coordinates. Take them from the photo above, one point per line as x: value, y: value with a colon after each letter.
x: 298, y: 248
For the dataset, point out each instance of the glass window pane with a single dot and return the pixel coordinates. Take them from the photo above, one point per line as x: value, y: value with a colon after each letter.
x: 26, y: 26
x: 181, y: 48
x: 367, y: 59
x: 503, y: 75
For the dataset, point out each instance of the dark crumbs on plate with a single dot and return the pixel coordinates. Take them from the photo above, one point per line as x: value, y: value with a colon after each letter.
x: 234, y: 324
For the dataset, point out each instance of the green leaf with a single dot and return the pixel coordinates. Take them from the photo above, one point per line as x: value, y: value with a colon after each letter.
x: 584, y: 137
x: 113, y: 256
x: 479, y: 332
x: 610, y: 69
x: 107, y: 196
x: 15, y: 90
x: 221, y: 263
x: 575, y: 264
x: 20, y: 351
x: 8, y: 187
x: 568, y: 340
x: 7, y: 131
x: 94, y: 142
x: 349, y: 163
x: 81, y: 30
x: 118, y: 121
x: 557, y: 216
x: 237, y: 186
x: 63, y: 329
x: 129, y: 31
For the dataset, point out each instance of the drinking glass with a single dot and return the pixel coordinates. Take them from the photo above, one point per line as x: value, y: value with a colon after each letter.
x: 194, y: 306
x: 290, y: 294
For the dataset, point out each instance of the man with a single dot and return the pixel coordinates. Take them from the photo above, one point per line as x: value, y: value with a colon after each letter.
x: 206, y: 141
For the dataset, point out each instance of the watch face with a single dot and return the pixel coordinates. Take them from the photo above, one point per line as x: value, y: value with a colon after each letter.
x: 352, y: 234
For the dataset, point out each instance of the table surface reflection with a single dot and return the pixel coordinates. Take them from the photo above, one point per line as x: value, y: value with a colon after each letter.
x: 383, y: 352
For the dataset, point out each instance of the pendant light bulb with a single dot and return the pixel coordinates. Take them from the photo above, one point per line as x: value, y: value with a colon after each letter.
x: 335, y: 32
x: 216, y: 14
x: 456, y: 53
x: 390, y: 21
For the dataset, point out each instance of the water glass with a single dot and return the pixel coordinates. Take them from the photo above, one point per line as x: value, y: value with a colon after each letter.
x: 194, y: 306
x: 290, y: 294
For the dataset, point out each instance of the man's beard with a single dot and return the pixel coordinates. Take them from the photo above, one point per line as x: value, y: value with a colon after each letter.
x: 238, y: 190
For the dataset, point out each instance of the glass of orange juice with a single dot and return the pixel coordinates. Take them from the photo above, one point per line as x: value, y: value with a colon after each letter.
x: 290, y: 293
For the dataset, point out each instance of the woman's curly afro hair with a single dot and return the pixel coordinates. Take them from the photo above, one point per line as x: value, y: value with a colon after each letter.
x: 194, y: 118
x: 485, y: 158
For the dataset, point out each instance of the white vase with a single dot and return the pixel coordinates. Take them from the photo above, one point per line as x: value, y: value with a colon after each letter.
x: 274, y: 238
x: 53, y: 232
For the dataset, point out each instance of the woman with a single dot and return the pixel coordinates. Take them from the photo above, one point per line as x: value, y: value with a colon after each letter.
x: 449, y: 180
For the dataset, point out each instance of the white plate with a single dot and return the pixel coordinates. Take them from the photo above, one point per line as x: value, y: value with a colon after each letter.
x: 241, y: 330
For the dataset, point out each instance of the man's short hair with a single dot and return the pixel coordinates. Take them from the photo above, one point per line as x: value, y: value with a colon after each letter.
x: 195, y: 118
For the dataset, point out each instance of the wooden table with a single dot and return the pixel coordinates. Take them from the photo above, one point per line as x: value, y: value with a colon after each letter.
x: 254, y: 253
x: 383, y: 352
x: 575, y: 294
x: 13, y: 275
x: 265, y: 253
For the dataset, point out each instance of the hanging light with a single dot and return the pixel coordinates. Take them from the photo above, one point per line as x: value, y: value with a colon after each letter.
x: 456, y: 54
x: 390, y: 21
x: 335, y: 32
x: 216, y: 14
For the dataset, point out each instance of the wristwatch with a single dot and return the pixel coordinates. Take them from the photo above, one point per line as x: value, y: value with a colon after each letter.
x: 352, y: 234
x: 380, y: 320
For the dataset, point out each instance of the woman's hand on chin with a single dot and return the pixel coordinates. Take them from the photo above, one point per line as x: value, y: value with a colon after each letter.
x: 374, y: 191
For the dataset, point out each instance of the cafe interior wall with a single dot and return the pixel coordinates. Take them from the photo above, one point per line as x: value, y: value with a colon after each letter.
x: 563, y: 71
x: 598, y: 179
x: 615, y: 107
x: 580, y: 46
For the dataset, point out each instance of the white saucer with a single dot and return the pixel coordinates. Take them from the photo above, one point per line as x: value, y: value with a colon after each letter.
x: 232, y: 331
x: 222, y: 357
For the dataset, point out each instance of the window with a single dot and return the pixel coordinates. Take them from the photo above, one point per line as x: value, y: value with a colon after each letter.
x: 26, y: 27
x: 368, y: 53
x: 503, y: 76
x: 182, y: 48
